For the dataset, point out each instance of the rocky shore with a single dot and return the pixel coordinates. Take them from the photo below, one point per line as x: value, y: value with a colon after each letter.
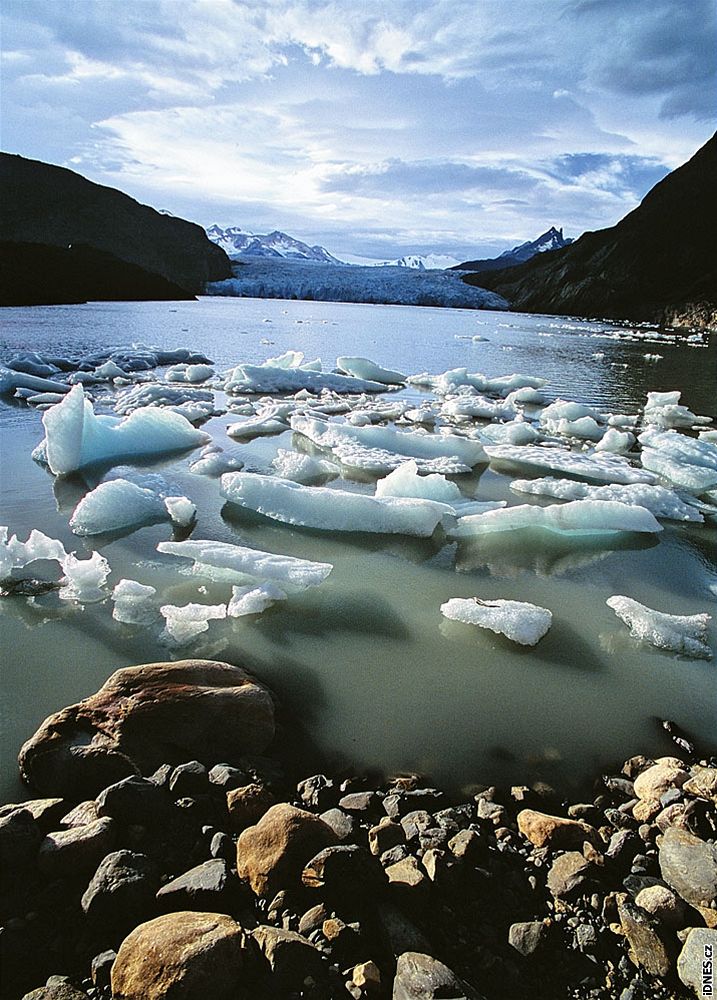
x: 170, y: 857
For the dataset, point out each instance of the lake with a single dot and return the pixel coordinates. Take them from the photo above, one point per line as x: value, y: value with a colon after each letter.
x: 366, y: 663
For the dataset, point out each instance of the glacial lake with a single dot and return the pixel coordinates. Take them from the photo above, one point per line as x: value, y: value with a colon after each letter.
x: 365, y: 664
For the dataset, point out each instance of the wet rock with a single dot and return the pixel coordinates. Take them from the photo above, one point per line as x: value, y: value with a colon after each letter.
x: 570, y: 875
x: 272, y: 854
x: 121, y: 892
x: 344, y: 869
x: 180, y: 955
x: 527, y: 936
x: 359, y: 802
x: 76, y: 852
x: 247, y: 805
x: 340, y: 822
x: 195, y: 707
x: 662, y: 903
x: 555, y: 832
x: 689, y: 866
x: 656, y: 780
x: 698, y: 951
x: 189, y: 779
x: 648, y: 947
x: 204, y: 887
x: 421, y: 977
x: 292, y: 959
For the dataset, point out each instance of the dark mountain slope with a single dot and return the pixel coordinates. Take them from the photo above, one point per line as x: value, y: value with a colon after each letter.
x: 42, y: 203
x: 658, y: 263
x: 553, y: 239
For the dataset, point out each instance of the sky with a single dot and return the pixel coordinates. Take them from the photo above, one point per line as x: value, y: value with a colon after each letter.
x: 372, y: 127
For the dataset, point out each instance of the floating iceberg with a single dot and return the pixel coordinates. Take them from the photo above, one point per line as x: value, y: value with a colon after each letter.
x: 477, y: 406
x: 516, y: 432
x: 15, y: 554
x: 254, y: 600
x: 266, y: 379
x: 253, y: 427
x: 84, y: 578
x: 664, y: 410
x: 190, y: 373
x: 161, y: 394
x: 406, y: 482
x: 365, y: 369
x: 134, y: 603
x: 185, y: 623
x: 448, y: 382
x: 517, y: 620
x: 662, y: 502
x: 76, y: 437
x: 685, y: 634
x: 239, y: 564
x: 11, y: 380
x: 304, y: 469
x: 116, y: 505
x: 583, y: 517
x: 615, y: 441
x: 181, y: 510
x: 600, y: 468
x: 333, y: 510
x: 213, y: 461
x: 687, y: 462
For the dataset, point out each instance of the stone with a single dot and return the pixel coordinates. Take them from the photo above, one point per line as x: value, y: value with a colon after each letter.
x: 586, y: 937
x: 648, y: 947
x: 689, y: 866
x: 359, y: 802
x: 317, y: 791
x: 393, y: 855
x: 702, y: 783
x: 313, y: 919
x: 344, y: 869
x: 340, y: 822
x: 81, y: 815
x: 135, y: 800
x: 56, y: 990
x: 645, y: 810
x: 76, y: 852
x: 555, y: 832
x: 227, y: 777
x: 466, y: 846
x: 222, y: 846
x: 405, y: 874
x: 385, y: 835
x: 189, y: 779
x: 421, y: 977
x: 272, y: 854
x: 491, y: 812
x: 656, y: 780
x: 696, y: 962
x: 291, y: 958
x: 247, y: 805
x: 102, y: 967
x: 570, y: 875
x: 662, y: 903
x: 527, y: 936
x: 415, y: 822
x: 47, y: 813
x: 20, y: 840
x: 367, y: 976
x: 204, y: 887
x: 198, y: 708
x: 436, y: 864
x: 121, y: 892
x: 180, y: 956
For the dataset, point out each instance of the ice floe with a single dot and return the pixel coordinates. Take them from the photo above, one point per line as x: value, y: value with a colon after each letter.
x: 176, y: 397
x: 686, y: 634
x: 184, y: 623
x: 76, y: 437
x: 689, y: 463
x: 15, y: 554
x: 661, y: 501
x: 304, y: 469
x: 583, y: 517
x: 266, y: 379
x: 450, y: 381
x: 519, y: 621
x: 595, y: 467
x: 332, y: 510
x: 181, y: 510
x: 116, y: 505
x: 190, y: 373
x: 214, y: 461
x: 366, y: 369
x: 134, y: 603
x: 252, y: 427
x: 664, y: 410
x: 11, y: 380
x: 254, y: 600
x: 405, y: 481
x: 84, y: 578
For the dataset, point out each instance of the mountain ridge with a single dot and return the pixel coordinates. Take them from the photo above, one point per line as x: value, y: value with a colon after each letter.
x: 552, y: 239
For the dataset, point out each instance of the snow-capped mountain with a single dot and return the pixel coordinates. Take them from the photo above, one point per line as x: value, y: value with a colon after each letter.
x: 422, y: 262
x: 553, y: 239
x: 236, y: 242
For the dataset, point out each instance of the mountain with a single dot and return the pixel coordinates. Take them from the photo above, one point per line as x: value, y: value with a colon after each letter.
x: 55, y: 207
x: 657, y: 264
x: 421, y: 262
x: 553, y: 239
x: 235, y: 242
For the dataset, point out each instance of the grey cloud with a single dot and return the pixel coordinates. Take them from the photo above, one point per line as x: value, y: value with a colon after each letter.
x: 398, y: 177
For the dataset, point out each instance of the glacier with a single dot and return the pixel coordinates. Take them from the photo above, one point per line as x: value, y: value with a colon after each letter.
x: 518, y: 621
x: 686, y: 634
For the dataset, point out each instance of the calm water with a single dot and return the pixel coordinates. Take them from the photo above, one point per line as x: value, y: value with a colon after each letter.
x: 366, y: 661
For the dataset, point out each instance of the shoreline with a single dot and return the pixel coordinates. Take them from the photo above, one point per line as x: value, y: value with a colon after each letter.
x: 335, y: 887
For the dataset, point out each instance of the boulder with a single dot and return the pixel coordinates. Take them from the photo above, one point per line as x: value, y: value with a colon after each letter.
x: 344, y: 870
x: 699, y: 949
x: 145, y: 716
x: 569, y: 875
x: 291, y: 958
x: 205, y: 887
x: 703, y: 783
x: 421, y: 977
x: 76, y: 852
x: 180, y: 956
x: 662, y: 903
x: 648, y: 947
x: 556, y: 832
x: 272, y: 854
x: 121, y: 892
x: 656, y: 780
x: 527, y: 936
x: 247, y: 805
x: 56, y: 991
x: 689, y: 866
x: 47, y: 813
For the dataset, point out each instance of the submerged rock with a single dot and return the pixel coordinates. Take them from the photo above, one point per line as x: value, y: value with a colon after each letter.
x: 143, y: 715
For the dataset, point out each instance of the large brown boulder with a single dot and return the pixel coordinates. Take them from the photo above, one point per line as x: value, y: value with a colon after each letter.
x: 145, y: 716
x: 272, y: 854
x: 180, y: 956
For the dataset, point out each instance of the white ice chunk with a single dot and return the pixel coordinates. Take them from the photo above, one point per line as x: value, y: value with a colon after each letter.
x: 709, y: 436
x: 84, y: 578
x: 365, y: 369
x: 264, y: 379
x: 289, y: 359
x: 517, y: 620
x: 213, y: 461
x: 600, y: 467
x: 116, y: 505
x: 15, y: 554
x: 223, y: 561
x: 303, y: 469
x: 477, y: 406
x: 134, y: 603
x: 181, y: 510
x: 76, y: 437
x: 687, y: 462
x: 516, y: 432
x: 685, y: 634
x: 190, y: 373
x: 662, y: 502
x: 406, y: 482
x: 451, y: 380
x: 565, y: 409
x: 253, y: 427
x: 11, y: 380
x: 664, y: 410
x: 184, y: 623
x: 583, y: 517
x: 162, y: 394
x: 615, y: 441
x: 333, y: 510
x: 585, y: 428
x: 254, y: 600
